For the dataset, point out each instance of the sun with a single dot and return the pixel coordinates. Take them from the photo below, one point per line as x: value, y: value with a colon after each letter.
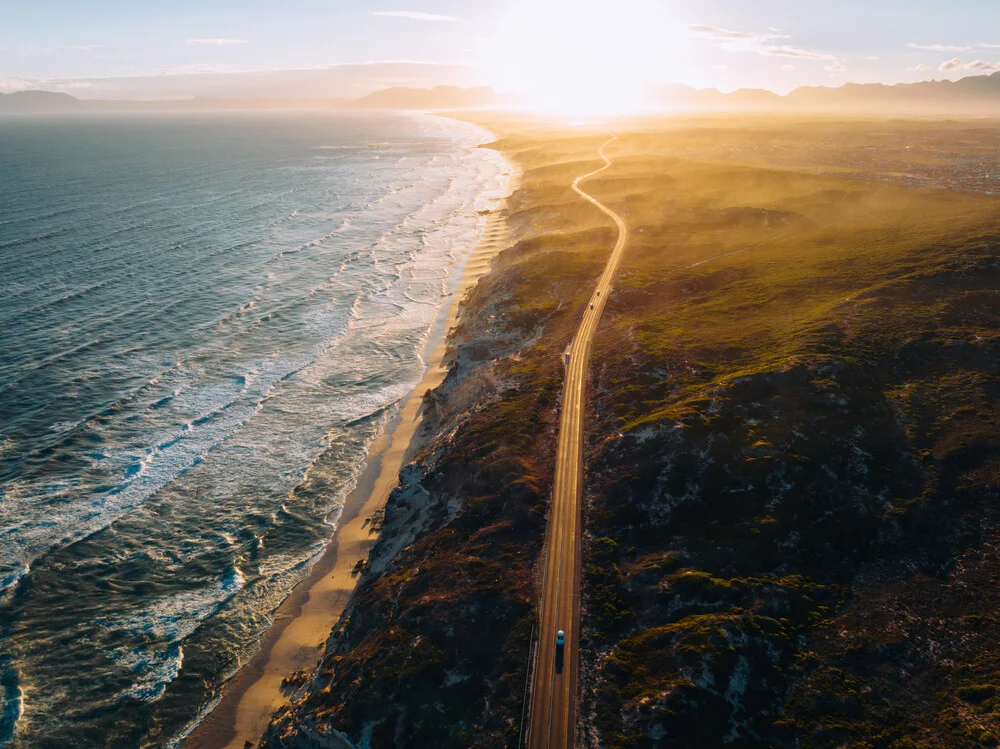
x: 580, y: 58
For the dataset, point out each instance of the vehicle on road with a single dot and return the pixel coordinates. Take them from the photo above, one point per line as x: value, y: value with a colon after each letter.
x: 560, y: 650
x: 553, y: 706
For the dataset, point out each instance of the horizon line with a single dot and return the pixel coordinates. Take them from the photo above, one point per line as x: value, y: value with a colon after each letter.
x: 37, y: 84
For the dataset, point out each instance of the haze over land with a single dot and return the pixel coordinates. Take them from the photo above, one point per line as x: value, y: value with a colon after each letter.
x: 972, y: 96
x: 557, y: 56
x: 558, y: 374
x: 439, y: 97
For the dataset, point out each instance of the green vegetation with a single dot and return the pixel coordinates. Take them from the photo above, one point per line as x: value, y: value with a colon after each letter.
x: 435, y: 649
x: 977, y: 693
x: 796, y: 382
x: 793, y: 460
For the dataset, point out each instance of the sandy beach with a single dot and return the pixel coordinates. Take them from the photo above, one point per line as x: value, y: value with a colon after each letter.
x: 302, y: 624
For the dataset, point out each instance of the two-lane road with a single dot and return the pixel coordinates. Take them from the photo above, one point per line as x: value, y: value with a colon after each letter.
x: 553, y: 694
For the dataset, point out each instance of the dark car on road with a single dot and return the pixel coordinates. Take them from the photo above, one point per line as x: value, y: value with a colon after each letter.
x: 560, y: 648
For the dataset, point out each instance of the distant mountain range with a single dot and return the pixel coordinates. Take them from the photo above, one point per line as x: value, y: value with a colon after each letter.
x: 439, y: 97
x: 37, y: 101
x: 976, y: 95
x: 347, y: 81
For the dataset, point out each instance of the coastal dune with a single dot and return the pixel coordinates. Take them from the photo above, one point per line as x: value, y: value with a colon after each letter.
x: 294, y: 644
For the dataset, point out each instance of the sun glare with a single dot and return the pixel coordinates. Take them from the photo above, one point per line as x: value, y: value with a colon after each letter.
x: 578, y: 58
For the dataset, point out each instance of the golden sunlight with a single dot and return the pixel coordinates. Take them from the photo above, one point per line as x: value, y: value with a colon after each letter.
x: 580, y: 58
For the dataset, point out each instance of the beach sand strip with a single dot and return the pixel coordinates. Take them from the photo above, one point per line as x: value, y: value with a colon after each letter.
x: 296, y: 640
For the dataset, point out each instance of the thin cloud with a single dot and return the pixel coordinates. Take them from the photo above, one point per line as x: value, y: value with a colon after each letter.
x: 836, y: 67
x: 72, y: 85
x: 951, y: 47
x: 982, y: 65
x: 10, y: 85
x: 957, y: 64
x: 200, y: 69
x: 416, y: 16
x: 736, y: 40
x: 215, y: 42
x: 81, y: 47
x: 396, y: 61
x: 725, y: 34
x: 921, y: 68
x: 938, y: 47
x: 786, y: 51
x: 763, y: 43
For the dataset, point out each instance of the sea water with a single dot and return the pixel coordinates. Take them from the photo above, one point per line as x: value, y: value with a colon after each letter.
x: 205, y: 320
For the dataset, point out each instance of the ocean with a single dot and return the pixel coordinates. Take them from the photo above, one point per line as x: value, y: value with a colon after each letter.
x: 205, y: 320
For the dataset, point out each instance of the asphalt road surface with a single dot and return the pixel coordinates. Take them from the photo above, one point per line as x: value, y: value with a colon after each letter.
x: 552, y: 720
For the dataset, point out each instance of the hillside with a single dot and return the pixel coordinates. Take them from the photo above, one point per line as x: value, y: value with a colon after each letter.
x: 974, y: 95
x: 793, y: 457
x: 37, y: 102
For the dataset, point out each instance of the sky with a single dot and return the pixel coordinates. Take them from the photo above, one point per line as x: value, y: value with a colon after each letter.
x: 527, y: 46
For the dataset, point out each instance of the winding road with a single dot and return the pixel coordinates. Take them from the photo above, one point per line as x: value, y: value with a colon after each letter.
x: 552, y: 720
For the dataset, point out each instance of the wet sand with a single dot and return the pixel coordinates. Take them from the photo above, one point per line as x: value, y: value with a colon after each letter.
x: 302, y: 624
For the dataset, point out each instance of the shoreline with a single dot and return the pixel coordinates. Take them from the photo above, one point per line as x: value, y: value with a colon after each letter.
x: 296, y: 640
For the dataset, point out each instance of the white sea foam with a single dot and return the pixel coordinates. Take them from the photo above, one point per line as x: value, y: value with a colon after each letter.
x: 157, y: 633
x: 238, y: 441
x: 11, y: 703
